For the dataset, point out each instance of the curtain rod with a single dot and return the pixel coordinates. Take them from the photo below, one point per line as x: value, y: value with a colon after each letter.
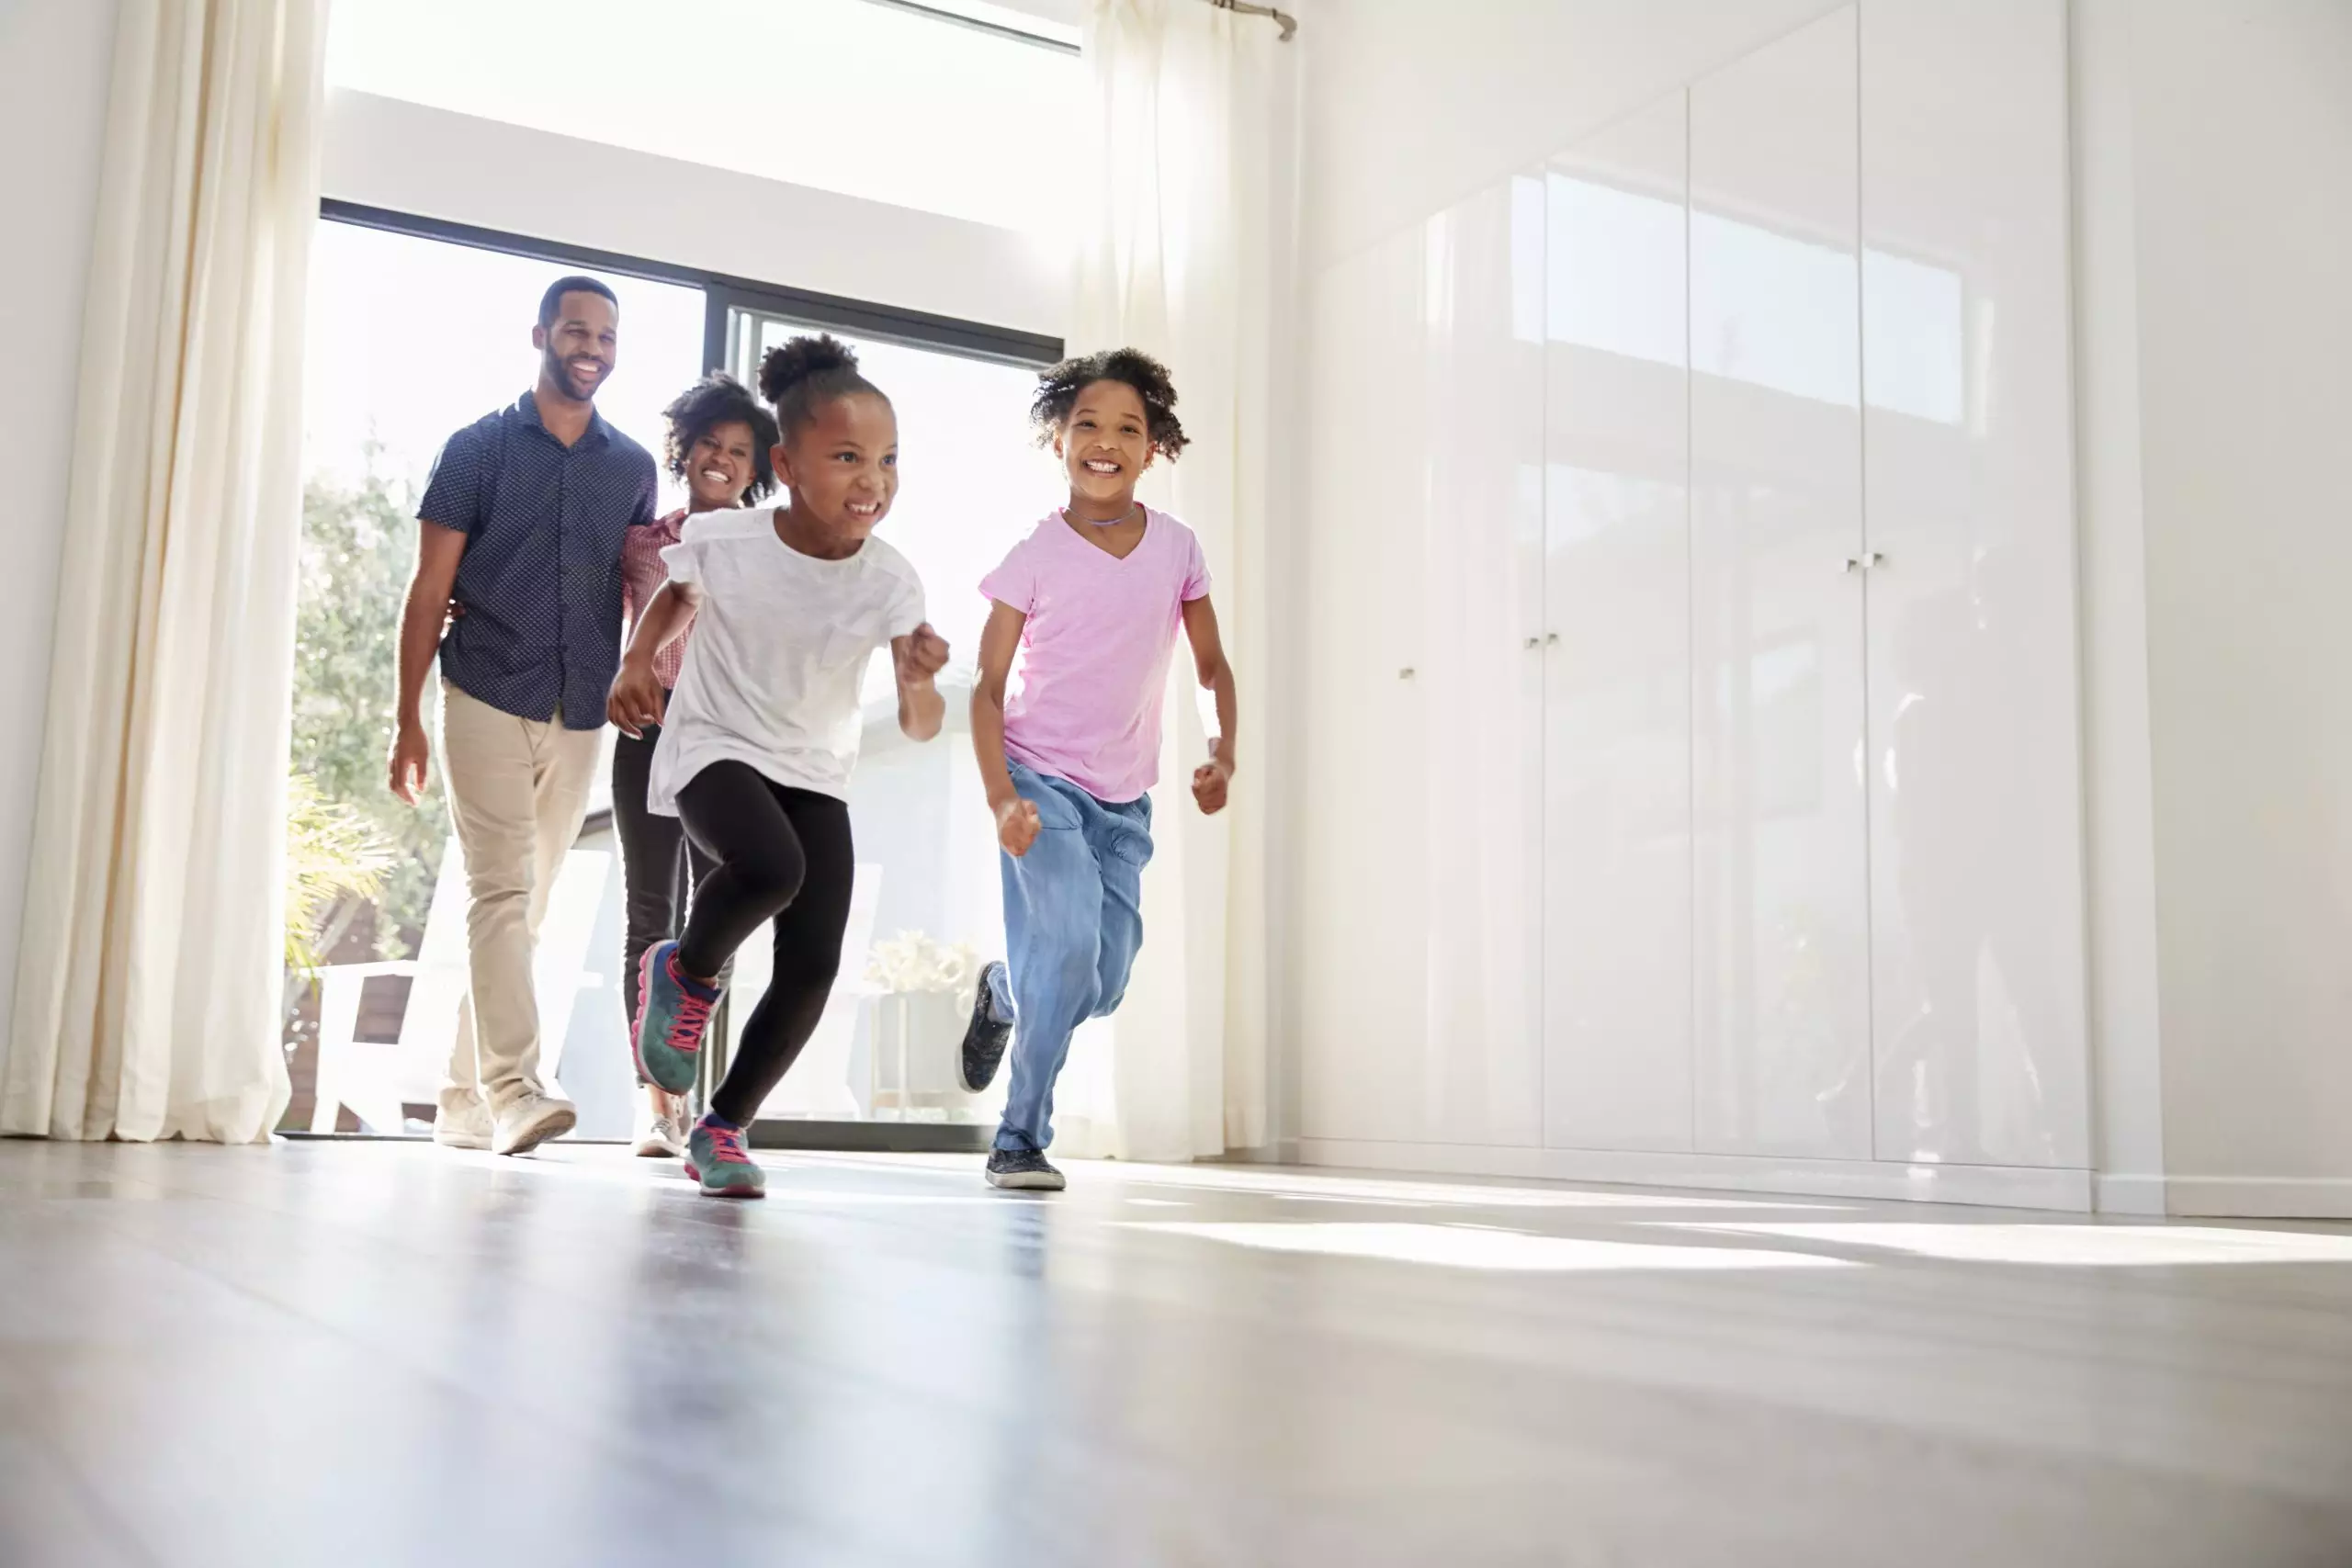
x: 994, y: 30
x: 1284, y: 19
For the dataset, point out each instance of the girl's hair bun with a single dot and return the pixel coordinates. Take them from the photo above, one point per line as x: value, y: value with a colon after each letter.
x: 788, y: 363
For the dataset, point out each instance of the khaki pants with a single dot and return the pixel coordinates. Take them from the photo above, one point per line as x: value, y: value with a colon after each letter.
x: 517, y: 793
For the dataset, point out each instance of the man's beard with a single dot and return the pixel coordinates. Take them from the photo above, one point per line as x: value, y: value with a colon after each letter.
x: 559, y: 372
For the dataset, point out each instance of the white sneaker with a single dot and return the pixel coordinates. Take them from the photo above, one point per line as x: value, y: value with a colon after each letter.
x: 530, y: 1122
x: 659, y: 1138
x: 464, y: 1129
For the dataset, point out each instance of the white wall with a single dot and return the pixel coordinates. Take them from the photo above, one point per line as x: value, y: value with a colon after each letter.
x: 1071, y: 12
x: 2211, y: 167
x: 432, y: 163
x: 55, y: 60
x: 1412, y: 106
x: 1435, y: 300
x: 2118, y: 816
x: 1408, y: 108
x: 2226, y: 138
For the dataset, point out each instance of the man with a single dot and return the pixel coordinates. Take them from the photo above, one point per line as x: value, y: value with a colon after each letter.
x: 520, y: 531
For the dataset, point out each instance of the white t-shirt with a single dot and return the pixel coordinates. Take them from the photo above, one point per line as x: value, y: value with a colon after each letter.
x: 780, y: 648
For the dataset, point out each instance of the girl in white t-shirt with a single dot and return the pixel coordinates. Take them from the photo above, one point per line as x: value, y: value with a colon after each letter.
x: 788, y: 603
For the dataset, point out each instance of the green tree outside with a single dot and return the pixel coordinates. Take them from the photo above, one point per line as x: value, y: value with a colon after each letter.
x: 359, y: 549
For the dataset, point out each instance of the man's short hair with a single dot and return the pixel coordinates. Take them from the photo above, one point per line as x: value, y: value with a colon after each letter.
x: 551, y: 302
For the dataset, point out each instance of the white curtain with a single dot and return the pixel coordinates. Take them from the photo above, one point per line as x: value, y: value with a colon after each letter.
x: 1176, y: 259
x: 148, y: 981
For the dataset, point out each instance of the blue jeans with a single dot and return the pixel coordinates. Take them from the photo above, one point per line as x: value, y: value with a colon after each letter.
x: 1073, y: 921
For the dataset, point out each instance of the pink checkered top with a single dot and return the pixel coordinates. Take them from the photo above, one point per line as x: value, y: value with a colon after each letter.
x: 642, y: 575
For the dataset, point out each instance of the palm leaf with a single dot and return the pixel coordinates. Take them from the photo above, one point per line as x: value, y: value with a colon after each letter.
x: 332, y: 852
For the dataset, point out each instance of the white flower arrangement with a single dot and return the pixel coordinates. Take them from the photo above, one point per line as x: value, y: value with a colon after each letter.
x: 911, y: 962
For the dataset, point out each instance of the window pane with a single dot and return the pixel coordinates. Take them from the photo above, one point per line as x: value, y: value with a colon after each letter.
x: 460, y: 322
x: 842, y: 94
x: 408, y: 340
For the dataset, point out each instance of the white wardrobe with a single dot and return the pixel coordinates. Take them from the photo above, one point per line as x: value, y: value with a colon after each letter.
x: 1693, y: 751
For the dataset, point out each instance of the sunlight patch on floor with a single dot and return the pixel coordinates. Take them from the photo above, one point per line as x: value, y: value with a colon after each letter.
x: 1478, y: 1247
x: 1291, y: 1183
x: 2077, y: 1245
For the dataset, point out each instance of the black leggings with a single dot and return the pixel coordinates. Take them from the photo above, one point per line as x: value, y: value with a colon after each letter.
x: 783, y: 852
x: 659, y: 867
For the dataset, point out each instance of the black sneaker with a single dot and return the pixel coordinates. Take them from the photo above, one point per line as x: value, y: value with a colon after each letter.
x: 984, y: 1039
x: 1023, y: 1168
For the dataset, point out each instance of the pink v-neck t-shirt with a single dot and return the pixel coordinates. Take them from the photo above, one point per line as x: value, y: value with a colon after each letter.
x: 1098, y: 634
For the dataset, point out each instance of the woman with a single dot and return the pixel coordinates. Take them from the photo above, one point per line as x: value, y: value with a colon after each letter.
x: 719, y: 444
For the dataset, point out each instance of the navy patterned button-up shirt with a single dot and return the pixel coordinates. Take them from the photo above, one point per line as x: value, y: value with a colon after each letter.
x: 540, y: 580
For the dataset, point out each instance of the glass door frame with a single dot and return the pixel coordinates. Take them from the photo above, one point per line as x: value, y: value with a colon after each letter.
x: 727, y: 299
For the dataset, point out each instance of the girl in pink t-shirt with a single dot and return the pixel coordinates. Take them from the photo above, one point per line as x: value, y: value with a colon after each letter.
x: 718, y: 443
x: 1096, y: 594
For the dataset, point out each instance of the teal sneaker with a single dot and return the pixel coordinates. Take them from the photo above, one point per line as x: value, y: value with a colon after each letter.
x: 671, y: 1017
x: 715, y: 1158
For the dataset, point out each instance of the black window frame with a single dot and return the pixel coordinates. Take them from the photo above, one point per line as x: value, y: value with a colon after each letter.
x: 724, y: 292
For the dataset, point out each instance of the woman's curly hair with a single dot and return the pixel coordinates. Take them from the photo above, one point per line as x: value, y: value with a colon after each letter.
x: 716, y: 400
x: 1057, y: 391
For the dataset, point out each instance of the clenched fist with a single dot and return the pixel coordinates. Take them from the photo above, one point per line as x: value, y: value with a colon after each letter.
x: 925, y: 655
x: 1016, y: 826
x: 1209, y: 781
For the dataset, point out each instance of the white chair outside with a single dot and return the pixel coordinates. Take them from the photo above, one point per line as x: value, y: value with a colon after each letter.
x: 376, y: 1078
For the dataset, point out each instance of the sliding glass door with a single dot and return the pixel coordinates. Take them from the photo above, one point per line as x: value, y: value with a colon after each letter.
x: 417, y: 329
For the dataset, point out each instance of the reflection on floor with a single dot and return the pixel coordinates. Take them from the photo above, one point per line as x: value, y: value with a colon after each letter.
x: 380, y: 1353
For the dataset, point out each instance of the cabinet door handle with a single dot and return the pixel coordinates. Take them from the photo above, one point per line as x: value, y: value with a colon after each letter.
x: 1552, y: 640
x: 1873, y: 559
x: 1853, y: 563
x: 1534, y: 642
x: 1405, y: 673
